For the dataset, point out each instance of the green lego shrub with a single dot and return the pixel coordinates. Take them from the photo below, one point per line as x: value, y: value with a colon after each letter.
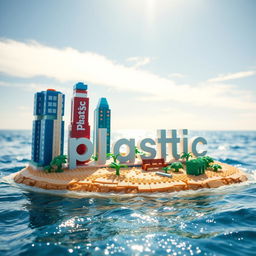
x: 176, y: 166
x: 207, y: 160
x: 215, y: 167
x: 56, y: 164
x: 196, y: 166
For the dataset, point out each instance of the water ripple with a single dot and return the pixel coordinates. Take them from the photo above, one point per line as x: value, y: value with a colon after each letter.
x: 205, y: 222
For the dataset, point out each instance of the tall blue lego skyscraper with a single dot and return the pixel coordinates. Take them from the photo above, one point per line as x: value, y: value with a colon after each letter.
x: 48, y: 126
x: 102, y: 118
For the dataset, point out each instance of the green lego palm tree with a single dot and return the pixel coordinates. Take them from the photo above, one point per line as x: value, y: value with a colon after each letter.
x: 117, y: 167
x: 186, y: 155
x: 167, y: 168
x: 138, y: 152
x: 215, y: 167
x: 113, y: 156
x: 94, y: 158
x: 115, y: 164
x: 58, y: 161
x: 208, y: 160
x: 176, y: 166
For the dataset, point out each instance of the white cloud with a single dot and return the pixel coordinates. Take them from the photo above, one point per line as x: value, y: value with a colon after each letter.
x: 32, y: 59
x: 23, y: 108
x: 139, y: 61
x: 232, y: 76
x: 2, y: 83
x: 34, y: 87
x: 176, y: 75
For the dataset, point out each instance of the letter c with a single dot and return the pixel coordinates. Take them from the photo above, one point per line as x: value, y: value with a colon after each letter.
x: 194, y: 145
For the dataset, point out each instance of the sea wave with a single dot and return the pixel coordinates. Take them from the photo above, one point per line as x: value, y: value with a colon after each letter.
x: 218, y: 221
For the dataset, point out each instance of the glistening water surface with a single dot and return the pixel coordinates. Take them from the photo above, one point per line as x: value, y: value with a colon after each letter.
x: 206, y: 222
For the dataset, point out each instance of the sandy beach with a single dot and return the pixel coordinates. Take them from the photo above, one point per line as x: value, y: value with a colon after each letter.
x: 131, y: 180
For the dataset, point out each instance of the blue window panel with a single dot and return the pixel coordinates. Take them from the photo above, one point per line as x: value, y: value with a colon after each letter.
x: 33, y: 142
x: 48, y: 97
x: 63, y: 105
x: 38, y: 103
x: 62, y: 138
x: 102, y: 118
x: 36, y: 140
x: 46, y: 142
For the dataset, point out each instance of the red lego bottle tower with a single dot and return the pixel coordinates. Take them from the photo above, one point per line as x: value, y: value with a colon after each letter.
x: 79, y: 127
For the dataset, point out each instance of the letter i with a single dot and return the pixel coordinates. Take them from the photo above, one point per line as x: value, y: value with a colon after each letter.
x: 101, y: 146
x: 183, y: 140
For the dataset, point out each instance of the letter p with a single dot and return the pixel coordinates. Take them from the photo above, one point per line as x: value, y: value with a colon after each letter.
x: 73, y: 155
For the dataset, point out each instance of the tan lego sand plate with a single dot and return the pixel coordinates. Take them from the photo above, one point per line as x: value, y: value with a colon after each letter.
x: 131, y: 180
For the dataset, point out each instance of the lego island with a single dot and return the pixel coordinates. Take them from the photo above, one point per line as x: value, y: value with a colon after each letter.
x: 172, y: 162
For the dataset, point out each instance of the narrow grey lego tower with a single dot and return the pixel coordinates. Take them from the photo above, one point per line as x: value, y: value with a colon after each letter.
x: 102, y: 118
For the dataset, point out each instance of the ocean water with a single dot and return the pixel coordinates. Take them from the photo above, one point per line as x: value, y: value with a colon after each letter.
x: 205, y: 222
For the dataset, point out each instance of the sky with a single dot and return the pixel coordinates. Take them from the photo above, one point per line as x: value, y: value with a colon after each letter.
x: 162, y: 64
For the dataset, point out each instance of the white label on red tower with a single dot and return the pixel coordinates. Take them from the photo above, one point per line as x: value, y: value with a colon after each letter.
x: 80, y: 126
x: 81, y: 118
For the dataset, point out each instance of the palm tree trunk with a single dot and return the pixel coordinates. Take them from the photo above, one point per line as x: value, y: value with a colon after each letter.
x: 117, y: 171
